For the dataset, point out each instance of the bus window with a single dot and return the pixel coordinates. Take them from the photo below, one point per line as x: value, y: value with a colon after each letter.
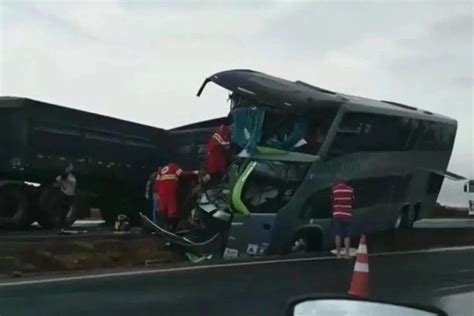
x: 283, y: 131
x: 247, y: 127
x: 271, y: 185
x: 318, y: 205
x: 372, y: 191
x: 368, y: 192
x: 428, y: 138
x: 368, y: 132
x: 291, y: 132
x: 435, y: 136
x: 415, y: 132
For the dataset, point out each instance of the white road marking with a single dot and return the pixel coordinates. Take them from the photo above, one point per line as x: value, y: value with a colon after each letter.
x: 165, y: 270
x: 454, y: 287
x: 215, y: 266
x: 408, y: 252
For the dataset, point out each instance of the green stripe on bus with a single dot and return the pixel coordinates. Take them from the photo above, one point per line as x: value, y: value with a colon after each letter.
x: 271, y: 151
x: 237, y: 202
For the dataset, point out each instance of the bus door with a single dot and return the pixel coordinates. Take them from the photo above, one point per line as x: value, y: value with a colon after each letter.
x: 262, y: 188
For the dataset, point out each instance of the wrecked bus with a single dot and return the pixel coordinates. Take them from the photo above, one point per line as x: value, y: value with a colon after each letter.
x: 292, y: 141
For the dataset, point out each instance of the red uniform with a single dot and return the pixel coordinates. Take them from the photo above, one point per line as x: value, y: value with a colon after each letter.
x: 216, y: 151
x: 342, y: 196
x: 166, y: 184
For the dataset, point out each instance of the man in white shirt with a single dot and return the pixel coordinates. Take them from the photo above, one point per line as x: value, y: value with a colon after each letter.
x: 67, y: 185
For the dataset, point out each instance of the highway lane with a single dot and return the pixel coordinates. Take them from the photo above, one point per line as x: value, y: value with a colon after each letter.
x: 248, y: 289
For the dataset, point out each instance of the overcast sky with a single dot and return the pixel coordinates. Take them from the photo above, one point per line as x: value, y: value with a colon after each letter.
x: 144, y: 60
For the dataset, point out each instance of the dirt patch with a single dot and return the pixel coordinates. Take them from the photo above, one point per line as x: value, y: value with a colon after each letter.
x: 71, y: 255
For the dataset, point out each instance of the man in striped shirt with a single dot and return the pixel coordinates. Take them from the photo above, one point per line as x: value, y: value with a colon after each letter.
x: 342, y: 197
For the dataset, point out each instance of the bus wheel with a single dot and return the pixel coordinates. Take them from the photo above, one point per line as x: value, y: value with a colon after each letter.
x: 416, y: 211
x: 300, y: 245
x: 405, y: 218
x: 307, y: 240
x: 398, y: 222
x: 71, y: 215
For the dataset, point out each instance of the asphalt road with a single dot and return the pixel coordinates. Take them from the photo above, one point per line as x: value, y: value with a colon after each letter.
x: 249, y: 289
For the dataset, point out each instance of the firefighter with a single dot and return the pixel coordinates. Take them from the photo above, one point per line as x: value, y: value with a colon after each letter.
x: 217, y: 152
x: 342, y: 197
x: 166, y: 185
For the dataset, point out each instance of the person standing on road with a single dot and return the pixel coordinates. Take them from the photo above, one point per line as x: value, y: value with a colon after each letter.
x: 342, y: 197
x: 151, y: 195
x: 67, y: 189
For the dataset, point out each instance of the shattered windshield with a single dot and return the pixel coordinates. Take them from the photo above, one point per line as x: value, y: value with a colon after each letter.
x: 272, y: 184
x: 256, y: 128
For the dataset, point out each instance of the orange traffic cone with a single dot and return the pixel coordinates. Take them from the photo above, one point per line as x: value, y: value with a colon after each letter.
x: 360, y: 277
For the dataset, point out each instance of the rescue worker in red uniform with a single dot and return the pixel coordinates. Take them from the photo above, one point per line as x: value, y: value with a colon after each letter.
x: 166, y: 185
x: 217, y: 151
x: 342, y: 197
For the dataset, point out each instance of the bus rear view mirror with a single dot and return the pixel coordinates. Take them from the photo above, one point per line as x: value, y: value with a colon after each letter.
x: 357, y: 307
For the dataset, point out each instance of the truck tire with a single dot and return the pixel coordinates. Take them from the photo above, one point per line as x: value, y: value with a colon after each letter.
x: 14, y: 207
x: 48, y: 216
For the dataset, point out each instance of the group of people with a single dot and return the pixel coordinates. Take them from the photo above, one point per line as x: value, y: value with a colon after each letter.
x: 162, y: 184
x: 162, y: 187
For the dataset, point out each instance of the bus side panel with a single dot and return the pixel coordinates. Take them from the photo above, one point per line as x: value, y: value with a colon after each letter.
x: 383, y: 183
x: 251, y: 235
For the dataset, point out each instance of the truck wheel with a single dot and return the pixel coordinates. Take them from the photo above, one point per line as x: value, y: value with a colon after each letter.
x: 47, y: 203
x: 14, y: 210
x: 48, y: 216
x: 72, y: 214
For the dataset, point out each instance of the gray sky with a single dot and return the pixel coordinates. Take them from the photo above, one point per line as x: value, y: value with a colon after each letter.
x: 144, y: 60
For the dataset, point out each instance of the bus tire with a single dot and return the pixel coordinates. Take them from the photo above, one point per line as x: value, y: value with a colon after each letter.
x: 14, y: 206
x: 416, y: 211
x: 405, y: 218
x: 307, y: 240
x: 410, y: 218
